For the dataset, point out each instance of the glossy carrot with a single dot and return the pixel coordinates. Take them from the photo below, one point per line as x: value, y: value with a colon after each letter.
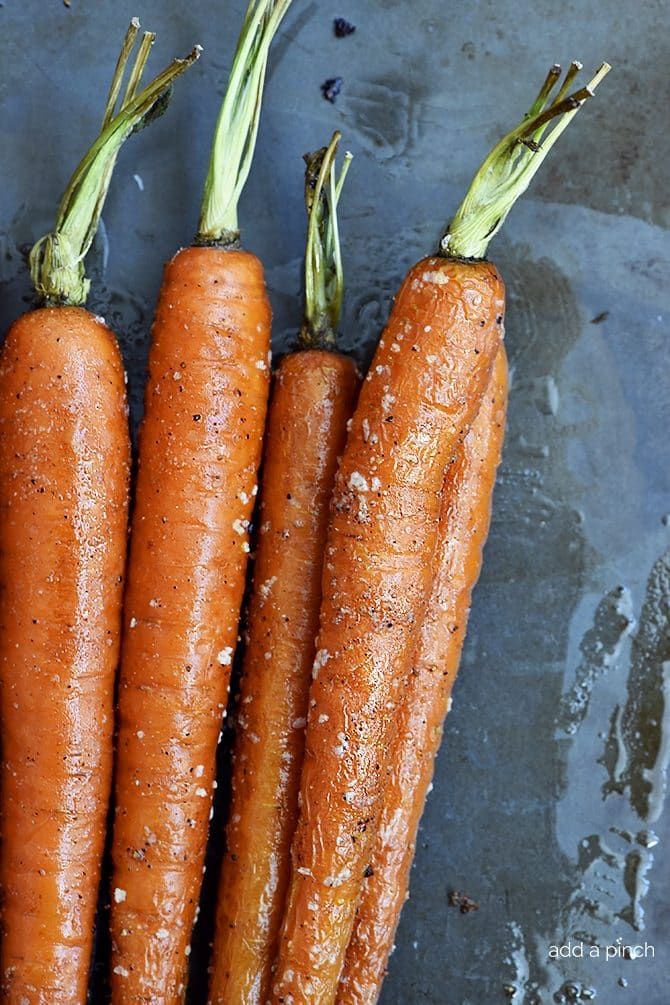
x: 64, y: 466
x: 199, y: 452
x: 64, y: 474
x: 313, y: 398
x: 377, y: 576
x: 424, y: 388
x: 464, y: 524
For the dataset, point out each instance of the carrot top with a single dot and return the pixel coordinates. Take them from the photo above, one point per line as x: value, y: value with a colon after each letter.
x: 57, y: 259
x: 324, y: 279
x: 506, y: 173
x: 237, y: 125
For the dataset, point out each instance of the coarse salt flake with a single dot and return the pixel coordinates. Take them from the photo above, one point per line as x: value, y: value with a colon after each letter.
x: 119, y: 895
x: 358, y: 482
x: 265, y: 587
x: 225, y: 657
x: 320, y: 660
x: 437, y: 278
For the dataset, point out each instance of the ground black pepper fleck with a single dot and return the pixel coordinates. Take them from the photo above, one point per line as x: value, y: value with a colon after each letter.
x: 342, y: 27
x: 465, y: 904
x: 331, y: 88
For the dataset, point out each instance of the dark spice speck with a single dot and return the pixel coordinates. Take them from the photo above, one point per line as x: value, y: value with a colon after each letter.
x: 331, y: 88
x: 465, y: 904
x: 342, y: 27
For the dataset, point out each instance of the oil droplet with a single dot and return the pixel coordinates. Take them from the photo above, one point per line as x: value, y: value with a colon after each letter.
x: 535, y: 450
x: 644, y: 722
x: 546, y: 396
x: 612, y: 623
x: 647, y: 839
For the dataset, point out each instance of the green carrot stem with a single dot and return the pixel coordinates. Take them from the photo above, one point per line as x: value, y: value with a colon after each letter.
x: 117, y: 79
x: 507, y: 171
x: 237, y: 126
x: 324, y: 278
x: 57, y: 259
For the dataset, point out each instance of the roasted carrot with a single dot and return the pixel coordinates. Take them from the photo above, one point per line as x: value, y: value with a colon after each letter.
x: 199, y: 452
x: 424, y: 388
x: 464, y: 524
x: 313, y: 398
x: 377, y: 576
x: 64, y: 473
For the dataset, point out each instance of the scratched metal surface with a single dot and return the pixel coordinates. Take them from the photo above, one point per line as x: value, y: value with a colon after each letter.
x: 548, y: 800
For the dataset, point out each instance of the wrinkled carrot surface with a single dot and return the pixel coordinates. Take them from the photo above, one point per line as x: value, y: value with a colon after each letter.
x: 423, y: 390
x: 199, y: 451
x: 464, y: 524
x: 313, y: 397
x: 64, y: 470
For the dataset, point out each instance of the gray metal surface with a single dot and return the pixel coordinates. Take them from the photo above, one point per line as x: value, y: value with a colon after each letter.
x: 547, y: 807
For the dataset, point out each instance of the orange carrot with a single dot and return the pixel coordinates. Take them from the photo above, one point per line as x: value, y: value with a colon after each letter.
x: 313, y: 397
x: 424, y: 388
x: 464, y: 524
x: 377, y: 575
x: 64, y: 474
x: 199, y: 452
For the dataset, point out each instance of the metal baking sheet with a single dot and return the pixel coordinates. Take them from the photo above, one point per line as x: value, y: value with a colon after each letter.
x: 548, y: 800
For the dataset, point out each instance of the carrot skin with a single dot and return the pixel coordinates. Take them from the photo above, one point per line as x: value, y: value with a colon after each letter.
x: 464, y: 524
x: 422, y: 392
x: 199, y: 452
x: 313, y: 398
x: 64, y: 484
